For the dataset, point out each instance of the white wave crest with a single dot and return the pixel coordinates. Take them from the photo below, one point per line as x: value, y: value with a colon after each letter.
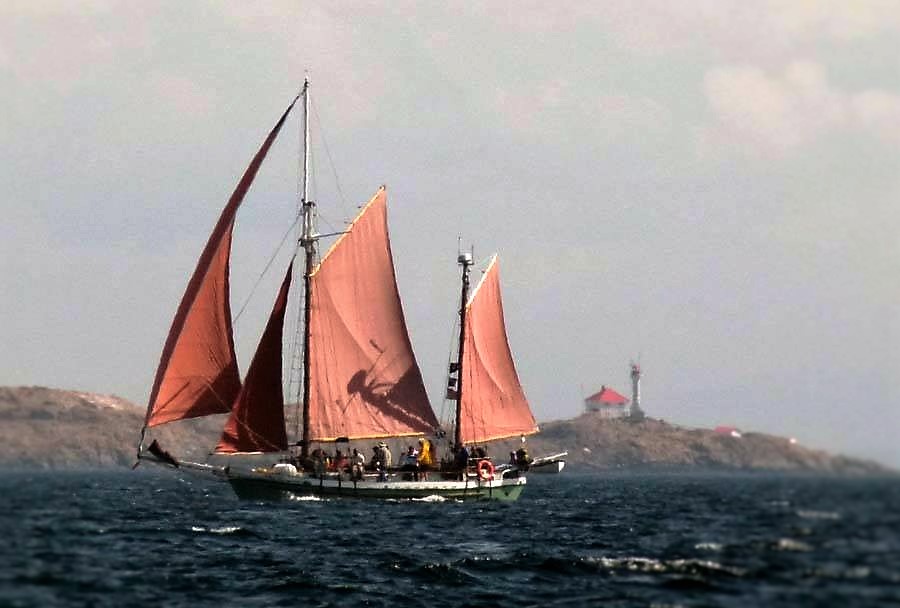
x: 812, y: 514
x: 651, y: 565
x: 309, y: 498
x: 431, y: 498
x: 222, y: 530
x: 789, y: 544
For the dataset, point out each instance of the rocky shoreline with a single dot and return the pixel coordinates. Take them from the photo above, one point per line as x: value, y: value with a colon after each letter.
x: 43, y: 428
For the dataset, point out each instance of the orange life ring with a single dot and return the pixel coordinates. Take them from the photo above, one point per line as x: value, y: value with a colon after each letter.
x: 485, y: 470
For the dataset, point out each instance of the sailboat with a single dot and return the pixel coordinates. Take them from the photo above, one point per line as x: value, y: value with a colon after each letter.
x: 361, y: 381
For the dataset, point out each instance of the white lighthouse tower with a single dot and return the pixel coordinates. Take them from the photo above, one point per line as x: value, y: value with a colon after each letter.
x: 636, y: 412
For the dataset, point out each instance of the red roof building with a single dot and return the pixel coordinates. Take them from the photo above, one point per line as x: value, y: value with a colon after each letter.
x: 607, y: 396
x: 608, y: 403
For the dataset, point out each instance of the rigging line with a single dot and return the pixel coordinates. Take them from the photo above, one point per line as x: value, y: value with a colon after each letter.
x: 484, y: 260
x: 331, y: 225
x: 295, y: 377
x: 264, y: 271
x: 337, y: 183
x: 259, y: 438
x: 454, y: 342
x: 313, y: 178
x: 296, y: 328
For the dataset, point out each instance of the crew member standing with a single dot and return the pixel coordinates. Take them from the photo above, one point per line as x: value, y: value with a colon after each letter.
x: 426, y: 458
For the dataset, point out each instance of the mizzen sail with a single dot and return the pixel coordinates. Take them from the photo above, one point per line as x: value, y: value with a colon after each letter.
x: 493, y: 403
x: 198, y: 373
x: 256, y: 423
x: 364, y: 379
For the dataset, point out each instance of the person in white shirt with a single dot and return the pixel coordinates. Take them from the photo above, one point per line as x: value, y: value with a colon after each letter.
x: 410, y: 462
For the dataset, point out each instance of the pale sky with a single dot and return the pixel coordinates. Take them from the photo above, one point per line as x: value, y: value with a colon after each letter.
x: 711, y: 187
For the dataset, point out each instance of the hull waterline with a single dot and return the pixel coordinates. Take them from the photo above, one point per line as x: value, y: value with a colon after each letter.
x: 264, y: 486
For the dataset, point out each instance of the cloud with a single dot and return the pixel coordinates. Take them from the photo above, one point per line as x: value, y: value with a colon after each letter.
x: 728, y: 30
x: 325, y: 42
x: 776, y: 114
x: 52, y: 8
x: 838, y: 20
x: 526, y: 107
x: 557, y: 105
x: 624, y: 114
x: 878, y: 112
x: 163, y: 51
x: 180, y: 94
x: 85, y: 42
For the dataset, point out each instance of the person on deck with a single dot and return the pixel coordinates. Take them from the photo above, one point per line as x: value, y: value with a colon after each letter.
x: 381, y: 460
x: 386, y: 455
x: 426, y: 458
x: 340, y: 461
x: 357, y: 465
x: 318, y: 458
x: 461, y: 461
x: 523, y: 459
x: 410, y: 463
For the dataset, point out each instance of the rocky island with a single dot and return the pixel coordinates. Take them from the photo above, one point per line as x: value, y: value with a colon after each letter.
x: 50, y: 428
x: 59, y: 429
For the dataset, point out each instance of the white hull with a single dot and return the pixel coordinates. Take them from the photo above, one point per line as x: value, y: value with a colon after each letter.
x: 552, y: 467
x: 269, y: 484
x: 553, y: 463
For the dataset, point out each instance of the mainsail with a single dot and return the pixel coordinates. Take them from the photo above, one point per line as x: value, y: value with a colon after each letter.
x: 364, y: 379
x: 256, y: 423
x: 198, y: 373
x: 493, y: 403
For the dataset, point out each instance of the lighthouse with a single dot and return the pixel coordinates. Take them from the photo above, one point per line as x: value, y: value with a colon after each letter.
x: 636, y: 412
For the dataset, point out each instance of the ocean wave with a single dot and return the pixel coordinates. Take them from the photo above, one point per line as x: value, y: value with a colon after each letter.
x: 224, y: 530
x: 663, y: 542
x: 575, y: 566
x: 432, y: 498
x: 850, y: 573
x: 789, y: 544
x: 447, y: 574
x: 308, y: 498
x: 663, y: 566
x: 812, y: 514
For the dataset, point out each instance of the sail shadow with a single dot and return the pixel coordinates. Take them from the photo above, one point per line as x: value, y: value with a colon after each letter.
x: 398, y: 400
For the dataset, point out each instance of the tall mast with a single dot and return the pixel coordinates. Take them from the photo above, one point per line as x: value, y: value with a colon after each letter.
x: 308, y: 240
x: 464, y: 260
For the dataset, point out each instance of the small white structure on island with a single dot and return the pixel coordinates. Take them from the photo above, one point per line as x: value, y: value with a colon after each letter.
x: 611, y: 404
x: 608, y: 403
x: 636, y: 412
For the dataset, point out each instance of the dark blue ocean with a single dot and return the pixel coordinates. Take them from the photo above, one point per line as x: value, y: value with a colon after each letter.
x: 150, y: 538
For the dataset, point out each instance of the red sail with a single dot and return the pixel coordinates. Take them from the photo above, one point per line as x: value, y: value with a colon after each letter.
x: 493, y: 402
x: 197, y: 373
x: 256, y: 423
x: 364, y: 379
